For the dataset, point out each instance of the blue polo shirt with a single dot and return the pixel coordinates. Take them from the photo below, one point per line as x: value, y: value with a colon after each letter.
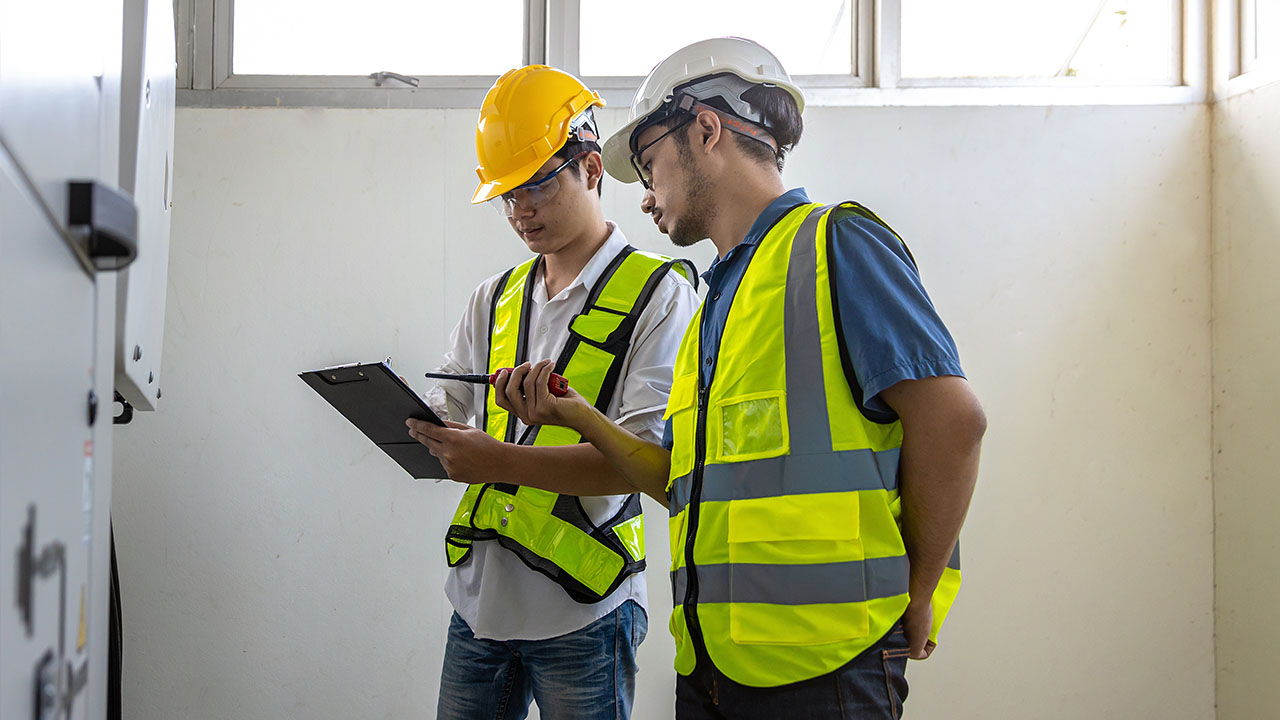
x: 890, y: 325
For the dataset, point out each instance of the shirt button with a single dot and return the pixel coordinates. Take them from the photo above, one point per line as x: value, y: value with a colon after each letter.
x: 510, y: 507
x: 504, y: 522
x: 542, y: 330
x: 708, y: 363
x: 716, y: 296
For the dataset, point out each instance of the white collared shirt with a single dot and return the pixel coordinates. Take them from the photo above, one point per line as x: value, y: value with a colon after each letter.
x: 497, y: 595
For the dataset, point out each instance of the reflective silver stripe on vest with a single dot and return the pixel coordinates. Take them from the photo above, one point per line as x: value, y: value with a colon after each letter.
x: 806, y: 391
x: 681, y: 488
x: 843, y: 582
x: 954, y: 561
x: 845, y: 470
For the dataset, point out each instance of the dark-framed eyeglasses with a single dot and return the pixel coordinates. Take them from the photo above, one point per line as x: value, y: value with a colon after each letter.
x: 642, y: 170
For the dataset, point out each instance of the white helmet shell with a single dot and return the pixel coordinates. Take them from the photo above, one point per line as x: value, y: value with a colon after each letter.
x: 745, y: 58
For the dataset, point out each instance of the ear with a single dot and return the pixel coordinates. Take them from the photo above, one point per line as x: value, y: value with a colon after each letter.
x: 707, y: 128
x: 594, y: 165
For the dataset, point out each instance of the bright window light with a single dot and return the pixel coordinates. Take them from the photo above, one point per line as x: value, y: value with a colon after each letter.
x: 1102, y: 41
x: 411, y: 37
x: 813, y: 37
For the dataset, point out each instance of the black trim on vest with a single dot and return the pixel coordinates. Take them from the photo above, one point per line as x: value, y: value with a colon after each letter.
x: 611, y: 377
x: 879, y: 417
x: 568, y: 508
x: 493, y: 311
x: 522, y: 337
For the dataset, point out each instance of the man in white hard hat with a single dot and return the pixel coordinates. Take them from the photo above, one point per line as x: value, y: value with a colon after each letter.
x: 546, y: 548
x: 821, y: 445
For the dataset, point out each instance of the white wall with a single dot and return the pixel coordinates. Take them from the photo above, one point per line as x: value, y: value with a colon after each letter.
x: 1246, y: 253
x: 275, y: 565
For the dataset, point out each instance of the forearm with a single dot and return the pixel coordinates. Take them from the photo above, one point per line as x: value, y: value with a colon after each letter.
x: 938, y: 472
x: 643, y: 465
x: 568, y: 469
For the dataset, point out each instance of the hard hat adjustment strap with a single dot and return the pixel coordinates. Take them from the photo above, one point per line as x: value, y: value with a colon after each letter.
x: 692, y: 105
x: 583, y: 127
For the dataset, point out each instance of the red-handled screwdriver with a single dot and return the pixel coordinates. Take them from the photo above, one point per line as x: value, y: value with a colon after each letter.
x: 557, y: 385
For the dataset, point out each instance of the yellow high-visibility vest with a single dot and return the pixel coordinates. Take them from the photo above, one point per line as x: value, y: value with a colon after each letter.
x: 787, y: 557
x: 551, y: 532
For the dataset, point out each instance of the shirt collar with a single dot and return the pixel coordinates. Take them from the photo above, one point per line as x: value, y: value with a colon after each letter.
x: 595, y: 267
x: 764, y: 222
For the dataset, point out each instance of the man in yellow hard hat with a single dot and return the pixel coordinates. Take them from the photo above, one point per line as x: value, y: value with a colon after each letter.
x: 546, y: 548
x: 822, y: 443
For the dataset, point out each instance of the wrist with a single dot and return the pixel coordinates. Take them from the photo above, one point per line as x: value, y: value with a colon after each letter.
x: 581, y: 418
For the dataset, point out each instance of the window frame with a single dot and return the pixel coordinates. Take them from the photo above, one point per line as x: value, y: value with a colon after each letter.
x: 206, y: 77
x: 1235, y: 67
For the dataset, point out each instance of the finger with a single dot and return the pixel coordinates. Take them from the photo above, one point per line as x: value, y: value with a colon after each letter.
x: 541, y: 385
x: 515, y: 392
x: 431, y: 442
x: 425, y: 428
x: 457, y: 425
x: 920, y: 648
x: 500, y: 389
x: 530, y: 385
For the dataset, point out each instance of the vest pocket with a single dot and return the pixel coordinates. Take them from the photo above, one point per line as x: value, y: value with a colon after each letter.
x: 681, y: 411
x: 750, y: 427
x: 796, y: 575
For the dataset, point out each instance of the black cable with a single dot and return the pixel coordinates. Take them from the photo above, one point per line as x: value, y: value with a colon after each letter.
x: 115, y: 644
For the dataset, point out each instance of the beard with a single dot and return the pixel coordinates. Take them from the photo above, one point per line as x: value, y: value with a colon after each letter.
x: 694, y: 225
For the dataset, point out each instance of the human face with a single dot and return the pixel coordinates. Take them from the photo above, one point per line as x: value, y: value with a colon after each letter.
x: 532, y: 194
x: 677, y: 194
x: 554, y: 222
x: 641, y: 167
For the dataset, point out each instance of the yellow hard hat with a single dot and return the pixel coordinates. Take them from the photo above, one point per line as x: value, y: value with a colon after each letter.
x: 526, y: 117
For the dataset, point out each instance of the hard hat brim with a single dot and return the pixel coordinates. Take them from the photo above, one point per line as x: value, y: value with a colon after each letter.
x: 617, y: 152
x: 492, y: 189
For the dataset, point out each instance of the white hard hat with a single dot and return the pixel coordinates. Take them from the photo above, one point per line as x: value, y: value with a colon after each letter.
x: 746, y: 59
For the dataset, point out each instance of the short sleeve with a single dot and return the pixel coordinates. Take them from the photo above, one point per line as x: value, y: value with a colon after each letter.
x: 890, y: 328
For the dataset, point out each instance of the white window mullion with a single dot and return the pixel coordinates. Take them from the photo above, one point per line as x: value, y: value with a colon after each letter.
x: 535, y: 32
x: 1191, y: 57
x: 864, y: 46
x: 888, y: 43
x: 222, y: 41
x: 182, y: 12
x: 202, y: 45
x: 563, y: 21
x: 1248, y: 24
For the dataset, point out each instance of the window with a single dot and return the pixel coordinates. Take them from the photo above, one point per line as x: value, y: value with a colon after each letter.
x: 814, y: 37
x: 433, y: 53
x: 1259, y: 34
x: 1106, y: 41
x: 339, y: 37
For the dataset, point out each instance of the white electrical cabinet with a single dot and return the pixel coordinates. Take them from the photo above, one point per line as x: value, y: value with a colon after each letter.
x: 69, y: 225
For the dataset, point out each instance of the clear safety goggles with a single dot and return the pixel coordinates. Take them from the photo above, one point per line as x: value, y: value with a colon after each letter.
x: 532, y: 195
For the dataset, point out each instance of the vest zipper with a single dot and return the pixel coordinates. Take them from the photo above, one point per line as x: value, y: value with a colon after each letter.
x: 695, y: 495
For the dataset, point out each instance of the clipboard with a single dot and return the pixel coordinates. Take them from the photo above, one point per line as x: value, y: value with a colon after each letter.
x: 377, y: 402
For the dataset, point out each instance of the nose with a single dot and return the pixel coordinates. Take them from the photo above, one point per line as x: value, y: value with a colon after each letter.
x: 648, y: 202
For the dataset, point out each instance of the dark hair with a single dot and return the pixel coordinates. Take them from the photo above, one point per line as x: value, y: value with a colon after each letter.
x: 573, y: 148
x: 781, y: 119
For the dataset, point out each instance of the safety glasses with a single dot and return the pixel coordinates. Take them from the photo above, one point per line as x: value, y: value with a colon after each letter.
x: 532, y: 195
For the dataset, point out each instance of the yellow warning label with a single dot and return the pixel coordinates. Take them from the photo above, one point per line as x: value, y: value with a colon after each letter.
x: 84, y: 634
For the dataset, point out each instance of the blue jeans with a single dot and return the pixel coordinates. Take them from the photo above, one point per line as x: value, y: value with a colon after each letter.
x: 871, y: 686
x: 589, y: 674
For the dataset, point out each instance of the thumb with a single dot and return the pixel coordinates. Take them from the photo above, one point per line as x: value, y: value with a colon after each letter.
x: 457, y: 425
